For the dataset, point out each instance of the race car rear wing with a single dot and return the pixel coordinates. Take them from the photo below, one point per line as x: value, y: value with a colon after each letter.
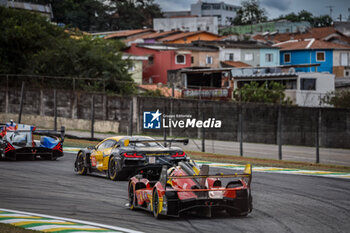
x: 184, y: 141
x: 60, y: 133
x: 203, y: 174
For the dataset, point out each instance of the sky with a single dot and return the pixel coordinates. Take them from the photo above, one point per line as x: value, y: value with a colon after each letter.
x: 274, y: 8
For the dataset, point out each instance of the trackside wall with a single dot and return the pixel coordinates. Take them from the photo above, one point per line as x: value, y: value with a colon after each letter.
x: 299, y: 124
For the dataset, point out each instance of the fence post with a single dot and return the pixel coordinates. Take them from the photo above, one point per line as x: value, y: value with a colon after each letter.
x: 7, y: 95
x: 203, y: 134
x: 55, y: 108
x: 279, y: 131
x: 164, y: 129
x: 92, y: 116
x: 131, y: 112
x: 21, y: 104
x: 318, y: 126
x: 240, y: 122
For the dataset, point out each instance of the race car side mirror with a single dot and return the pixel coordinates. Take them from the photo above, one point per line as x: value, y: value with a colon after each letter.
x: 126, y: 142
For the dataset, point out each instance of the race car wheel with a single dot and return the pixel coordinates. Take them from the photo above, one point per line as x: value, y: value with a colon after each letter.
x: 81, y: 169
x: 132, y: 197
x: 155, y: 205
x: 112, y: 169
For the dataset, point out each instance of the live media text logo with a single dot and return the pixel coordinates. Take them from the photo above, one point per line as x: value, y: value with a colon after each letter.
x: 151, y: 120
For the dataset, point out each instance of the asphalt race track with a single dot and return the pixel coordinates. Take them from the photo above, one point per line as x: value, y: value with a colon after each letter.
x: 282, y: 203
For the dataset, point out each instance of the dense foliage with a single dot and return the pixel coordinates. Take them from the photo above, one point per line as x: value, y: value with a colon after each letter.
x: 95, y: 15
x: 268, y: 92
x: 31, y: 45
x: 250, y: 13
x: 321, y: 21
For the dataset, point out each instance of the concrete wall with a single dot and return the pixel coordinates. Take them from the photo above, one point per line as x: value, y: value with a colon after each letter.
x: 69, y: 123
x: 224, y: 51
x: 201, y: 57
x: 275, y: 57
x: 256, y: 56
x: 136, y: 71
x: 259, y: 120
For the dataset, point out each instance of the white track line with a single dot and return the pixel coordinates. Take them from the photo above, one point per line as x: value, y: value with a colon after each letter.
x: 108, y: 227
x: 31, y: 220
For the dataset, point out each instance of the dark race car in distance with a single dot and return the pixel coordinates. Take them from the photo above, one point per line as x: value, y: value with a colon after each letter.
x: 185, y: 188
x: 17, y: 142
x: 121, y: 157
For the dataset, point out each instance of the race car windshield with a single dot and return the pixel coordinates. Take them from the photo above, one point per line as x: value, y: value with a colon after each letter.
x: 146, y: 144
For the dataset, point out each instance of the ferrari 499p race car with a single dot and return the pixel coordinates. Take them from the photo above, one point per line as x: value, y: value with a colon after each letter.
x: 185, y: 188
x: 121, y: 157
x: 17, y: 141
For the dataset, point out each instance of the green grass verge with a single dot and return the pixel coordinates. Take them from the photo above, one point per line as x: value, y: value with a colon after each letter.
x: 7, y: 228
x: 265, y: 162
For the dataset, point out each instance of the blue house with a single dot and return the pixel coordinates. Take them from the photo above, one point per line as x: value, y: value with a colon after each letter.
x: 319, y: 54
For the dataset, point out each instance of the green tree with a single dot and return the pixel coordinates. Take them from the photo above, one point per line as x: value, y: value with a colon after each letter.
x: 24, y: 34
x: 87, y: 15
x: 322, y: 21
x: 31, y: 45
x: 134, y: 15
x: 250, y: 13
x: 268, y: 92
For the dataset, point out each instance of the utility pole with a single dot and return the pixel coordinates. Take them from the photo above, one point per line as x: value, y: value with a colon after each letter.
x: 330, y: 10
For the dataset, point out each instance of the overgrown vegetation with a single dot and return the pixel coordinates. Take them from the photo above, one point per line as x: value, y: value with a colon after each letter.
x: 267, y: 92
x: 321, y: 21
x: 339, y: 99
x: 31, y: 45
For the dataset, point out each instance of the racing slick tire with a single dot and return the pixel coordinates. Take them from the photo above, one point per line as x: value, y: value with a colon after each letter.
x: 114, y: 170
x: 233, y: 212
x: 79, y: 164
x: 132, y: 197
x: 155, y: 205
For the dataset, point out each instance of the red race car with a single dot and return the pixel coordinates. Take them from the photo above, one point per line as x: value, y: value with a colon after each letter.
x: 185, y: 188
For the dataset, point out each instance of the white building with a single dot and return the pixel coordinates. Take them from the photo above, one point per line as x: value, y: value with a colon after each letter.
x: 224, y: 12
x: 303, y: 89
x: 187, y: 24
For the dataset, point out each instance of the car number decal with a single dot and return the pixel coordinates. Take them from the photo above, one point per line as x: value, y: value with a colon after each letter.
x: 152, y: 160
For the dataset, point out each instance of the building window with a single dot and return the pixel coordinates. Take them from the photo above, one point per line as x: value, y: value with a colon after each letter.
x: 320, y: 56
x: 269, y: 57
x: 198, y: 28
x: 344, y: 59
x: 206, y: 7
x: 150, y: 60
x: 208, y: 28
x: 192, y: 59
x: 248, y: 56
x: 229, y: 57
x: 308, y: 84
x: 286, y: 57
x: 209, y: 60
x: 216, y: 6
x: 180, y: 59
